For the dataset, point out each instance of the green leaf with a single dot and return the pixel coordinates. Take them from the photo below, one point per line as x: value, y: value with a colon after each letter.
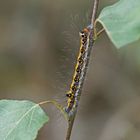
x: 20, y: 120
x: 122, y: 22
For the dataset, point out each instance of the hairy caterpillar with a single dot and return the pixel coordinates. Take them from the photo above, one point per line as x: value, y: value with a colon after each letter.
x: 80, y: 69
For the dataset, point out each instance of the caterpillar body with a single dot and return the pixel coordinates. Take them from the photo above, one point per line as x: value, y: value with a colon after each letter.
x: 74, y: 92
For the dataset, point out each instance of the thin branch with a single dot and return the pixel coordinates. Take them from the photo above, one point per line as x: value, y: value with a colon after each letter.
x: 70, y: 126
x: 91, y: 42
x: 94, y: 12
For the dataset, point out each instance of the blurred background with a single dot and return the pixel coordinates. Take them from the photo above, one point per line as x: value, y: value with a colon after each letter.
x: 39, y: 42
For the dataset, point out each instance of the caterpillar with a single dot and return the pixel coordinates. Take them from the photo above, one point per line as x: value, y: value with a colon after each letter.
x: 73, y: 94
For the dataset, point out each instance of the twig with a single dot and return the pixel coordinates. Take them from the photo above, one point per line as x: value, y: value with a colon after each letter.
x: 91, y: 42
x: 94, y: 12
x: 70, y: 126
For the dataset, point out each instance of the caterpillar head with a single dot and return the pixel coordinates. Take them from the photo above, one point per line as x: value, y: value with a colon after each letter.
x: 84, y: 33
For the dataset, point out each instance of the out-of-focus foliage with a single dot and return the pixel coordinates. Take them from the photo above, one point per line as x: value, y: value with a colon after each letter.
x: 20, y: 120
x: 125, y: 122
x: 122, y: 22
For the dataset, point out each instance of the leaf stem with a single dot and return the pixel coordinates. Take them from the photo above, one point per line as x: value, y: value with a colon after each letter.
x: 98, y: 33
x: 57, y: 105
